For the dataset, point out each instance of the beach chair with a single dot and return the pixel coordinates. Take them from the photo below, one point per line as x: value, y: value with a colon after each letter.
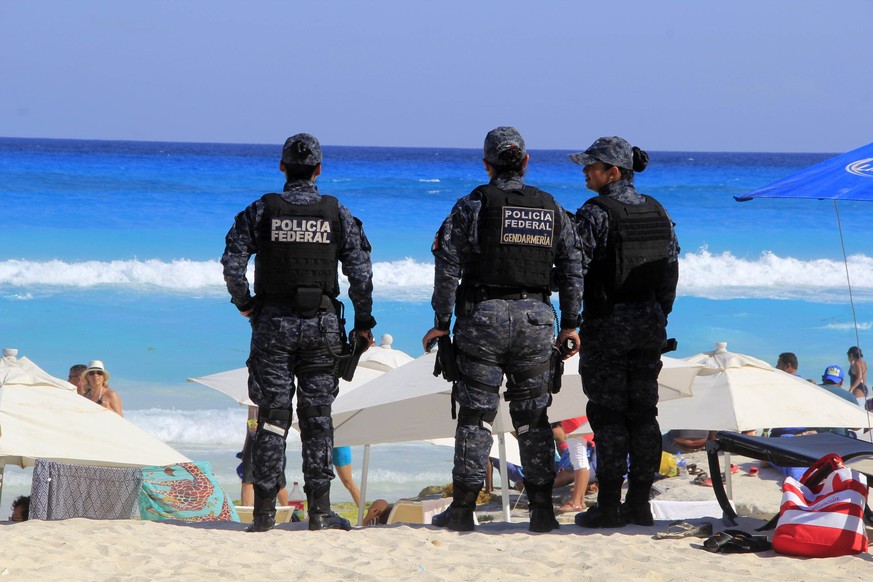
x: 411, y: 511
x: 799, y: 451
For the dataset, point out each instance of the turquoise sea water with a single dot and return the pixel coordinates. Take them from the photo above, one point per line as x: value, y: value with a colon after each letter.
x: 110, y: 250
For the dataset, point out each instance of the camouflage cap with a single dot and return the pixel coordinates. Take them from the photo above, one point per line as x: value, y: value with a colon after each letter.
x: 302, y: 149
x: 609, y: 150
x: 501, y: 139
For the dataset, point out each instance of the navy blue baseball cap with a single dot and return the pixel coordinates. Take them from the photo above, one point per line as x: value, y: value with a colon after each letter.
x: 501, y: 139
x: 613, y: 150
x: 302, y: 149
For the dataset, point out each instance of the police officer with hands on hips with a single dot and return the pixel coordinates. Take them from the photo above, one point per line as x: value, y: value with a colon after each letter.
x: 630, y: 269
x: 500, y: 242
x: 298, y: 238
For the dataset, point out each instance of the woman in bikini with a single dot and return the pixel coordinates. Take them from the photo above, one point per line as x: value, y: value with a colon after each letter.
x: 857, y: 373
x: 97, y: 387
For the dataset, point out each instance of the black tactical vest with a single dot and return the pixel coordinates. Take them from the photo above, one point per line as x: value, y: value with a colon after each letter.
x: 517, y: 239
x: 636, y: 255
x: 298, y: 246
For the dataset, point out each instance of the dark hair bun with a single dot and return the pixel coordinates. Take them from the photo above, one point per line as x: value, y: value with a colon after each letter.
x: 510, y: 157
x: 641, y: 159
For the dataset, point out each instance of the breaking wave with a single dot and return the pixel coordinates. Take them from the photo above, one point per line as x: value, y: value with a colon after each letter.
x: 702, y: 274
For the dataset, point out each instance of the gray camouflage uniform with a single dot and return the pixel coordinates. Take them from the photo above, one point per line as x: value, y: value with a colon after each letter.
x: 281, y: 340
x: 502, y: 336
x: 620, y: 354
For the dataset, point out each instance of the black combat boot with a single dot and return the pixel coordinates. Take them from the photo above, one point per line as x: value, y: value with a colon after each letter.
x: 320, y: 514
x: 636, y: 508
x: 264, y: 509
x: 459, y: 515
x: 542, y: 511
x: 606, y: 512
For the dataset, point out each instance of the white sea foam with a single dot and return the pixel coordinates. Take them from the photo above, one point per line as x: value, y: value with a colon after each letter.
x: 217, y: 429
x: 702, y: 274
x: 429, y: 180
x: 768, y: 276
x: 862, y: 325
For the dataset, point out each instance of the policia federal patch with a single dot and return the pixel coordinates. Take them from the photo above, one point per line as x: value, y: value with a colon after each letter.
x: 527, y: 226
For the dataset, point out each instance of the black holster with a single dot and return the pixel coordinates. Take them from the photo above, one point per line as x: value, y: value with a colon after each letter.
x: 350, y: 355
x: 557, y: 361
x: 446, y: 364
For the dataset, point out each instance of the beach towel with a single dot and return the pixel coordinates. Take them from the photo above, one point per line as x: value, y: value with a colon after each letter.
x: 822, y: 515
x: 186, y: 492
x: 61, y: 491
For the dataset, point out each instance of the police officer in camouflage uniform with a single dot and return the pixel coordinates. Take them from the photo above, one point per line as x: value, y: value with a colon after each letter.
x: 501, y: 242
x: 630, y: 269
x: 298, y: 238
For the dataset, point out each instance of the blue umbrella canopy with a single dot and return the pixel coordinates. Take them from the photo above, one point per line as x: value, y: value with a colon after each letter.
x: 845, y: 177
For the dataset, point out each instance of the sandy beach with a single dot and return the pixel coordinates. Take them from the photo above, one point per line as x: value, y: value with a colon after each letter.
x: 81, y: 549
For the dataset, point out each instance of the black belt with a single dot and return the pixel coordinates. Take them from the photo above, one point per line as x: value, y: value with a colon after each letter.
x: 508, y: 294
x: 290, y: 299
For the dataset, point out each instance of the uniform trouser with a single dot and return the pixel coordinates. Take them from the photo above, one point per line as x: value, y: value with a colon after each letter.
x: 504, y: 336
x: 619, y: 361
x: 284, y: 346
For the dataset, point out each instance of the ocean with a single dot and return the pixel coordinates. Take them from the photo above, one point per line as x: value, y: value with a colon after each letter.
x: 110, y: 250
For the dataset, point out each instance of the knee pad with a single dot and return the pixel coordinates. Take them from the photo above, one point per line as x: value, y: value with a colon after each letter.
x: 275, y: 421
x: 472, y: 417
x: 524, y: 420
x: 312, y: 423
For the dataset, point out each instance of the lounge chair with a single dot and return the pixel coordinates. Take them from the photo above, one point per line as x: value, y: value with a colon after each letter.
x: 799, y: 451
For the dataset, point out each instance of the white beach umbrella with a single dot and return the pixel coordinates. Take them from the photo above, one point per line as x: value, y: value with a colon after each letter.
x: 384, y: 357
x: 738, y: 393
x: 42, y: 417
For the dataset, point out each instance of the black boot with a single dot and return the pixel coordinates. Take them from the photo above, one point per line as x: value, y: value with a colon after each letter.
x: 264, y: 509
x: 320, y: 514
x: 459, y: 515
x: 542, y: 511
x: 606, y: 513
x: 636, y: 508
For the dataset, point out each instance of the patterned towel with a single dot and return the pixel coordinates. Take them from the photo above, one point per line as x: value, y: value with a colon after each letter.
x: 187, y: 492
x: 61, y: 491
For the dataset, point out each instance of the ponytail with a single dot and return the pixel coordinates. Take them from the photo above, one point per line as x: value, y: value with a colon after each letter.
x: 641, y: 159
x: 510, y: 160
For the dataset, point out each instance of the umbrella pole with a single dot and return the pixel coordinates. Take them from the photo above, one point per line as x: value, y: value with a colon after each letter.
x: 2, y: 474
x: 848, y: 280
x: 728, y: 485
x: 365, y: 468
x: 504, y: 478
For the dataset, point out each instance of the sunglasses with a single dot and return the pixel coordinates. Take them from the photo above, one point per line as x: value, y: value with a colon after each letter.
x: 95, y: 372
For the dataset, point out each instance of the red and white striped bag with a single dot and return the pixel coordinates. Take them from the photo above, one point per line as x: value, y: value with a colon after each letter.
x: 822, y: 515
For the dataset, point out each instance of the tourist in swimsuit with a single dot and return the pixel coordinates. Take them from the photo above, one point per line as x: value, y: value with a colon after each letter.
x: 97, y: 387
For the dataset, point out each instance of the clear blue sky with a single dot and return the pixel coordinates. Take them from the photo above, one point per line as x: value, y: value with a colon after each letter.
x: 740, y: 75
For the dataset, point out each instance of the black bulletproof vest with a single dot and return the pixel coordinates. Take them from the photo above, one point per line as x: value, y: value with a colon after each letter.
x: 298, y: 246
x: 517, y: 239
x: 636, y: 255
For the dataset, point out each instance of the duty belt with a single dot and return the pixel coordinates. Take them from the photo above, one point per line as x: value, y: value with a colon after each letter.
x: 290, y: 299
x: 507, y: 294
